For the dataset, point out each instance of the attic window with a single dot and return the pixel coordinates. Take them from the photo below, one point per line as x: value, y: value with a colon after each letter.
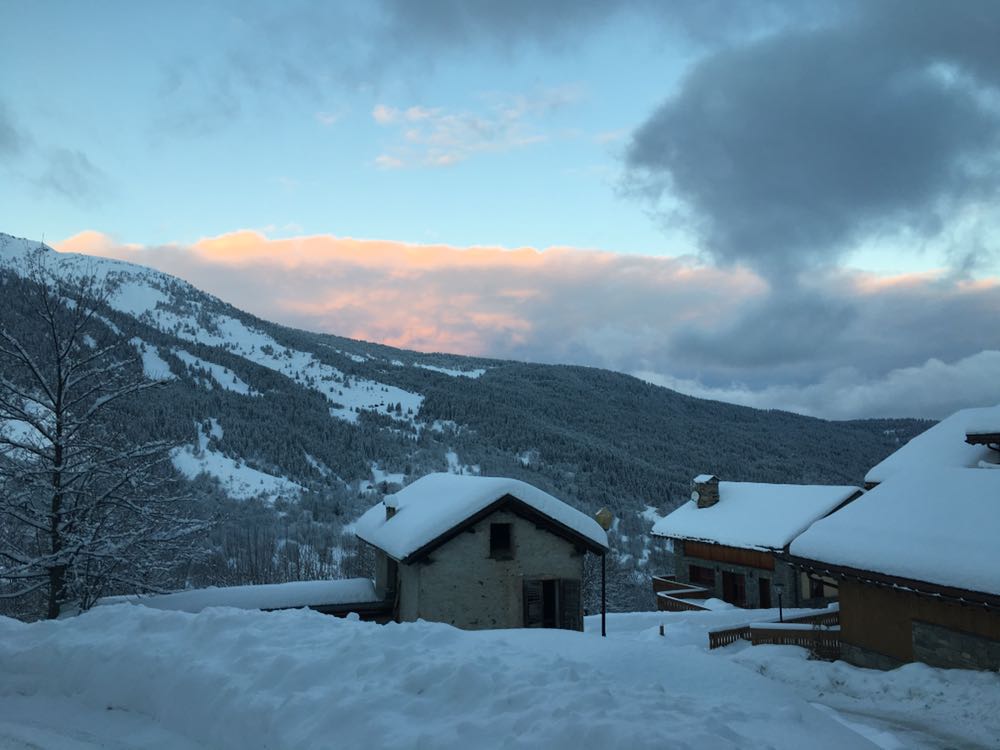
x: 500, y: 541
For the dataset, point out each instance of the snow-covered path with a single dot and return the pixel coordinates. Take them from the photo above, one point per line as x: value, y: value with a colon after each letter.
x: 915, y: 707
x: 45, y: 723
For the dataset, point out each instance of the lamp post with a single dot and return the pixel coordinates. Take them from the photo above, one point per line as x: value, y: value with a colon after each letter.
x: 604, y: 519
x: 780, y: 587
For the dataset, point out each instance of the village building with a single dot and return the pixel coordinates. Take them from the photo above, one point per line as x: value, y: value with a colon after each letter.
x: 729, y: 538
x: 480, y: 552
x: 917, y: 559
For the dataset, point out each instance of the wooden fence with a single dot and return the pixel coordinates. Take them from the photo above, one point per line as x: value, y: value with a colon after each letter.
x: 719, y: 638
x: 671, y: 595
x: 821, y: 640
x: 805, y: 629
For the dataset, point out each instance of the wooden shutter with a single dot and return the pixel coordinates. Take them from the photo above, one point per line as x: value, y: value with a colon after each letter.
x: 533, y: 603
x: 571, y: 615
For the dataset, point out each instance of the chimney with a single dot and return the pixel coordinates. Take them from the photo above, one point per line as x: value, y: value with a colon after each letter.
x: 391, y: 506
x: 706, y: 490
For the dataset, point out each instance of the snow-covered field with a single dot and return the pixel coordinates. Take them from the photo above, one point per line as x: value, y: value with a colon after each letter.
x: 131, y: 677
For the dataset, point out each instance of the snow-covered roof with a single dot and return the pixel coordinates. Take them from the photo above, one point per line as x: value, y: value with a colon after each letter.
x: 986, y: 422
x: 942, y: 445
x: 267, y: 596
x: 754, y: 516
x: 702, y: 478
x: 940, y: 526
x: 437, y: 503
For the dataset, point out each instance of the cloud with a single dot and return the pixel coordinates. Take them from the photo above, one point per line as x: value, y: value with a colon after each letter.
x: 841, y: 348
x: 328, y: 119
x: 933, y: 389
x: 786, y: 151
x: 307, y: 50
x: 72, y: 175
x: 13, y: 141
x: 438, y: 137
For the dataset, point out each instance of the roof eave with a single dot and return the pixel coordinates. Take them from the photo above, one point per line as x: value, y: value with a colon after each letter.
x: 888, y: 580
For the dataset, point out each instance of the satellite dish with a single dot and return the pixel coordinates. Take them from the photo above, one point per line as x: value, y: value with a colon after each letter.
x: 695, y: 495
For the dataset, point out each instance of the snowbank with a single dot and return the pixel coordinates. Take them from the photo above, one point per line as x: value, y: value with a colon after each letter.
x: 297, y: 679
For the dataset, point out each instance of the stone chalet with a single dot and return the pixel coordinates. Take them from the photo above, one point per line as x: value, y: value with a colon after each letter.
x: 480, y: 552
x: 918, y: 557
x: 729, y: 538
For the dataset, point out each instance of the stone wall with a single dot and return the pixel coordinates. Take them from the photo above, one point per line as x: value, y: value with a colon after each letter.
x: 862, y: 657
x: 463, y: 586
x: 948, y: 648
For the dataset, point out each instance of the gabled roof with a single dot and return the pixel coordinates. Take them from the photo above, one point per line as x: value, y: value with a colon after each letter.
x: 940, y: 526
x: 436, y: 507
x: 942, y: 445
x: 754, y: 516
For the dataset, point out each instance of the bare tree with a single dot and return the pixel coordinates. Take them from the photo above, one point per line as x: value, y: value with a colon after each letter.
x: 84, y: 511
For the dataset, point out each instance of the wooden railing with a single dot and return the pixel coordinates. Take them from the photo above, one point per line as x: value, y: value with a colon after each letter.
x: 720, y: 638
x: 671, y: 595
x: 823, y: 641
x: 829, y: 616
x: 791, y: 630
x: 667, y: 603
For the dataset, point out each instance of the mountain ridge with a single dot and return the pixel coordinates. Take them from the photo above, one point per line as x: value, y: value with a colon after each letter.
x: 307, y: 429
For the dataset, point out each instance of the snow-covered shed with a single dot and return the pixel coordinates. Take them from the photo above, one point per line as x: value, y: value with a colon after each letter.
x: 480, y: 552
x: 337, y: 597
x: 918, y: 564
x: 729, y: 536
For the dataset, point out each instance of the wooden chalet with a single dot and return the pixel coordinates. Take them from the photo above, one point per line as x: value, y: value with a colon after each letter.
x: 917, y: 559
x: 727, y: 541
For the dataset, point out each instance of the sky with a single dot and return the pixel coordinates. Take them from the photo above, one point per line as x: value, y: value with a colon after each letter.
x: 781, y: 204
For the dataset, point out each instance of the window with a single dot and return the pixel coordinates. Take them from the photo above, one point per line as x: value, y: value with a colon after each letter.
x: 500, y: 541
x: 701, y: 576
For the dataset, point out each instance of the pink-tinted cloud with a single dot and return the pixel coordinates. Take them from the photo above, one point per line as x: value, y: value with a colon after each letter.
x: 840, y: 345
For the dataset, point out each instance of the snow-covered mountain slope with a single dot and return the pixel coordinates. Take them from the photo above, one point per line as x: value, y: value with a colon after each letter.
x: 261, y: 410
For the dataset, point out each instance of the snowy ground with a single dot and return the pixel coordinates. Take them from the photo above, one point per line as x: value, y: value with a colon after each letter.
x: 131, y: 677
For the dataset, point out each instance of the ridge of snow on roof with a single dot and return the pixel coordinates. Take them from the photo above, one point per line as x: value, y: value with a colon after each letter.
x: 436, y: 503
x: 942, y: 445
x: 986, y: 422
x: 289, y: 595
x: 754, y: 516
x: 939, y: 526
x: 702, y: 478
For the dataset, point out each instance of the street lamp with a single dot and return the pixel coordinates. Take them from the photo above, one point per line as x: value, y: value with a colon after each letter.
x: 604, y: 519
x: 780, y: 587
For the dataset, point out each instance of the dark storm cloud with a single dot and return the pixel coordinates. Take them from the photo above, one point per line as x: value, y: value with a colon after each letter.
x: 785, y: 150
x: 875, y: 327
